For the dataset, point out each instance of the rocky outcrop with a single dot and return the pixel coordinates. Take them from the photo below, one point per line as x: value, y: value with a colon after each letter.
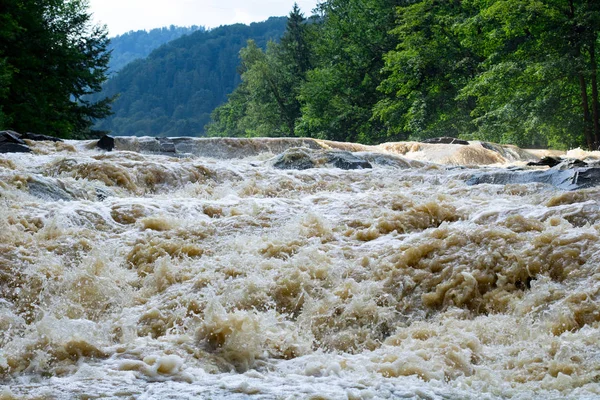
x: 304, y: 158
x: 445, y: 140
x: 545, y: 162
x: 563, y: 178
x: 11, y: 142
x: 106, y: 142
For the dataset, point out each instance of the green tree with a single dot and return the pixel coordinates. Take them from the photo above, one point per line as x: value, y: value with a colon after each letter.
x: 539, y: 77
x: 55, y: 58
x: 341, y: 91
x: 430, y: 65
x: 266, y: 102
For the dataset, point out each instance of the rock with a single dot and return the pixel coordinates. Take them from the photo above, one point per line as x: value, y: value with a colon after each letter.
x: 37, y: 137
x: 570, y: 163
x: 166, y: 145
x: 566, y: 179
x: 106, y: 142
x: 14, y: 148
x: 10, y: 142
x: 445, y: 140
x: 545, y: 162
x: 304, y: 158
x: 47, y: 189
x: 299, y: 158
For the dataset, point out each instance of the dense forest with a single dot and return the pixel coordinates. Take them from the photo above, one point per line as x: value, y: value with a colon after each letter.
x: 510, y: 71
x: 51, y: 58
x: 173, y: 91
x: 132, y: 45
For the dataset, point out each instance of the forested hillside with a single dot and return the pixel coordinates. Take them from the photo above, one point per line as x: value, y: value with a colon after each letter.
x: 138, y: 44
x: 512, y: 71
x: 173, y: 91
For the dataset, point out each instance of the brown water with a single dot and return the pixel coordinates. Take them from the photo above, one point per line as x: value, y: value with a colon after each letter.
x: 130, y: 275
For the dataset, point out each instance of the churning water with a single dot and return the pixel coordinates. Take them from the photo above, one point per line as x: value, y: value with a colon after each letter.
x: 146, y: 276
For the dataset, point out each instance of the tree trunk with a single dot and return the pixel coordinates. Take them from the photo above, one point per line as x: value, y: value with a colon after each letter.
x: 587, y: 119
x: 595, y: 116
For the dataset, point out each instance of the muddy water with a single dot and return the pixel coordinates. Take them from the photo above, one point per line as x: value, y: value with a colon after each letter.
x: 130, y: 275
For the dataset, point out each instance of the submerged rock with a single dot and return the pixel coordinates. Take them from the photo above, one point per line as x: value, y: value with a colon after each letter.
x: 106, y: 142
x: 545, y: 162
x: 49, y: 190
x: 11, y: 142
x: 294, y: 159
x: 445, y: 140
x: 566, y: 179
x: 304, y: 158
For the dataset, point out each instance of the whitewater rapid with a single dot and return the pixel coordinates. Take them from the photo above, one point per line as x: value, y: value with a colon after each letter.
x: 129, y: 274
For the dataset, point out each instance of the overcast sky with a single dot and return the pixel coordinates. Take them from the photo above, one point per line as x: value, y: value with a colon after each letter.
x: 125, y: 15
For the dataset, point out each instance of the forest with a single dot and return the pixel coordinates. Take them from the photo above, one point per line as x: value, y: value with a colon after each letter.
x: 173, y: 91
x: 509, y: 71
x: 133, y: 45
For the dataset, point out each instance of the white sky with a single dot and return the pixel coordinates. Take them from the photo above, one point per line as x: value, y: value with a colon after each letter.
x: 126, y: 15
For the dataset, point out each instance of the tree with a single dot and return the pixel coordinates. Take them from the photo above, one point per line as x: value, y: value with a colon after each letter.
x: 341, y: 91
x: 426, y: 71
x: 54, y: 57
x: 266, y: 102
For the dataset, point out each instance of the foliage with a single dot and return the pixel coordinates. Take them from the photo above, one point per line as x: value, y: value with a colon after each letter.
x: 266, y: 102
x: 52, y: 57
x: 173, y: 91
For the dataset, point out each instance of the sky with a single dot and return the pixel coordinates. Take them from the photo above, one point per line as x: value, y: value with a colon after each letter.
x: 126, y: 15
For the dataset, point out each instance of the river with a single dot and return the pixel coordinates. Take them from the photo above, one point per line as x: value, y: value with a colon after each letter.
x: 213, y: 274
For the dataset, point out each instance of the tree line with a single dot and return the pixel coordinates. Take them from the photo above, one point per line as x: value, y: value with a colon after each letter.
x: 510, y: 71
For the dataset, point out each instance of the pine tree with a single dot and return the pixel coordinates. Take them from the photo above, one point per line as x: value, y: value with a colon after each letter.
x: 55, y: 57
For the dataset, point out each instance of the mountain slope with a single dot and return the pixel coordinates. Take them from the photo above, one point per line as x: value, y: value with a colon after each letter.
x: 138, y: 44
x: 173, y: 91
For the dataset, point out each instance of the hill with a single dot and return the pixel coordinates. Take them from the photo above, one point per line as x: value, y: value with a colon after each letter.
x: 138, y: 44
x: 173, y: 91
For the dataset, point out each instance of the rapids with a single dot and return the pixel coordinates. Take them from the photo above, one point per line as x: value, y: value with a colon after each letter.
x: 211, y: 274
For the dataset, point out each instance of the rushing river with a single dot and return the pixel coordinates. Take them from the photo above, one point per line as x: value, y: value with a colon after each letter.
x: 132, y: 275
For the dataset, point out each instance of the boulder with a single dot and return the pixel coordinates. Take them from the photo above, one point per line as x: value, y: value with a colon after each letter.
x: 545, y: 162
x: 346, y: 160
x: 299, y: 158
x: 106, y: 142
x: 445, y: 140
x: 566, y: 179
x: 11, y: 142
x: 304, y: 158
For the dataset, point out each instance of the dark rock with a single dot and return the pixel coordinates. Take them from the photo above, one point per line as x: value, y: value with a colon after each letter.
x: 445, y: 140
x: 13, y: 148
x: 37, y: 137
x: 10, y: 137
x: 106, y: 142
x: 346, y: 160
x: 10, y: 142
x: 294, y: 159
x: 567, y: 179
x: 545, y: 162
x: 102, y: 194
x: 304, y: 158
x: 570, y: 163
